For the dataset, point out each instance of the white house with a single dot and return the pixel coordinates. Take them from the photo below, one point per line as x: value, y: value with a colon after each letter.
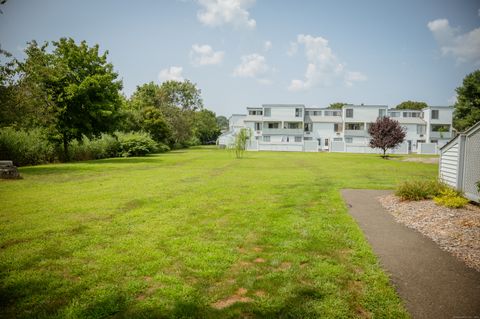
x: 293, y: 127
x: 235, y: 124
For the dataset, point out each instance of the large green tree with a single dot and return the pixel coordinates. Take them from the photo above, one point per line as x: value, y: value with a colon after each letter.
x: 467, y: 108
x: 222, y: 122
x: 411, y: 105
x: 77, y: 87
x: 205, y: 126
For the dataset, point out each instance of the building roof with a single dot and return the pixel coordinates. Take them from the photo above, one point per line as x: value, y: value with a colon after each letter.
x: 363, y: 105
x: 283, y: 105
x: 409, y: 120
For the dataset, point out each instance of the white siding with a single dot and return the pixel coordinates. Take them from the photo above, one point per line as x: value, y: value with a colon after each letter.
x: 449, y: 165
x: 472, y: 165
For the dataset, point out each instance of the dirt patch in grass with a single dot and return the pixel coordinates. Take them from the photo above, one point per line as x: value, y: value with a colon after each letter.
x: 239, y: 296
x: 259, y: 260
x: 427, y: 160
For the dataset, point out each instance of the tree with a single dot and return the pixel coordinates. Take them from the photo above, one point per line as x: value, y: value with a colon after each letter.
x: 385, y: 134
x: 411, y: 105
x: 467, y: 107
x: 241, y: 140
x: 78, y: 87
x: 184, y: 95
x: 153, y: 122
x: 205, y: 126
x: 337, y: 105
x: 222, y: 122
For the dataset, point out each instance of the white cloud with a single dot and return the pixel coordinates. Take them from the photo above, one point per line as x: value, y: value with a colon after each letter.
x: 253, y: 66
x: 172, y: 73
x: 267, y: 46
x: 463, y: 47
x: 323, y: 67
x: 215, y: 13
x: 205, y: 55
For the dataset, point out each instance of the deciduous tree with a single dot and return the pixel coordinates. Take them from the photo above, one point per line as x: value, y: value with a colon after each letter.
x: 411, y: 105
x: 386, y: 134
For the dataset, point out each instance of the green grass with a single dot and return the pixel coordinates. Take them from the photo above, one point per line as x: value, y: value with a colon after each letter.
x: 178, y: 234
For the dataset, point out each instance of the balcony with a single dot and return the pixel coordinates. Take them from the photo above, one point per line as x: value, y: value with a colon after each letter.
x: 361, y: 133
x: 441, y: 135
x: 282, y: 131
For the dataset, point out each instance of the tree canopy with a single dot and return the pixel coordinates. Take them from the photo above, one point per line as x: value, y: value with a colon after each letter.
x: 76, y: 88
x: 411, y: 105
x: 386, y: 134
x: 467, y: 107
x: 337, y: 105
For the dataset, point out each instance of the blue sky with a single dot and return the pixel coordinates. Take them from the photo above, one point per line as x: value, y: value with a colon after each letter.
x: 246, y: 53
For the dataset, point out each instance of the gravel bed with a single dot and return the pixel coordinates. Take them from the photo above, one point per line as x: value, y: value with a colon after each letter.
x: 454, y: 230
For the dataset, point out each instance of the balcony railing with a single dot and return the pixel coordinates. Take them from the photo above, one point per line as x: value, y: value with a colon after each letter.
x: 446, y: 135
x: 282, y: 131
x: 361, y: 133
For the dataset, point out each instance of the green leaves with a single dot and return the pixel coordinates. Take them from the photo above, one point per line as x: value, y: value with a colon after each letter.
x: 467, y: 108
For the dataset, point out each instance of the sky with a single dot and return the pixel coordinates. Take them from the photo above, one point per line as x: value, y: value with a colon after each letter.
x: 245, y: 53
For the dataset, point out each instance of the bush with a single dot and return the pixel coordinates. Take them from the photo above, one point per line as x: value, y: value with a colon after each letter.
x: 450, y: 198
x: 419, y: 189
x: 135, y: 144
x: 26, y: 148
x: 162, y: 148
x: 103, y: 147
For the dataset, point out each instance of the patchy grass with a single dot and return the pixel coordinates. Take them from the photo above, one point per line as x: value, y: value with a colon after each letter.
x: 194, y: 233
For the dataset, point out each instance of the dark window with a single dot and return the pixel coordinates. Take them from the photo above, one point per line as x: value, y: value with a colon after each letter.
x: 298, y: 112
x: 257, y: 126
x: 267, y: 112
x: 434, y: 114
x: 349, y: 112
x: 308, y: 127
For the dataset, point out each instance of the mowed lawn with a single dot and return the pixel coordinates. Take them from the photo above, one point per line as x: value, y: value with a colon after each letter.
x: 195, y: 233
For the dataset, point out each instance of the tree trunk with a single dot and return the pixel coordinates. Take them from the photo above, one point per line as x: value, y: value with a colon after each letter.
x: 66, y: 156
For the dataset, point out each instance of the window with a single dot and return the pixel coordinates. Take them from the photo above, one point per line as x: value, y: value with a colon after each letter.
x: 267, y: 112
x: 382, y: 112
x: 332, y: 113
x: 308, y: 127
x: 317, y: 113
x: 298, y: 112
x: 255, y: 112
x: 307, y: 138
x: 349, y: 113
x: 337, y: 127
x: 272, y: 124
x: 292, y: 125
x: 266, y: 138
x: 406, y: 114
x: 348, y: 140
x: 326, y: 142
x: 354, y: 126
x: 434, y: 114
x: 421, y: 129
x: 298, y: 139
x: 308, y: 112
x: 258, y: 126
x: 337, y: 139
x: 394, y: 114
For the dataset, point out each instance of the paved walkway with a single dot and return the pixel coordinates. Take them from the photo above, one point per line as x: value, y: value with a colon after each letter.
x: 432, y: 283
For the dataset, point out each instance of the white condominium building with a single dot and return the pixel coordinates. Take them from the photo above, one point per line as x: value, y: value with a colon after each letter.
x: 293, y: 127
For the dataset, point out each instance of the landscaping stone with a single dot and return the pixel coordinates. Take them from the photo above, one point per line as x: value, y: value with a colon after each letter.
x: 8, y: 170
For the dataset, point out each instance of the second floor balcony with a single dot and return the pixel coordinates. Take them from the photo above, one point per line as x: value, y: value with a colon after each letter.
x: 282, y: 131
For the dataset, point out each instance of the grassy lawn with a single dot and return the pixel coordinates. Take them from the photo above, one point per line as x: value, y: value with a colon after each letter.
x: 195, y: 233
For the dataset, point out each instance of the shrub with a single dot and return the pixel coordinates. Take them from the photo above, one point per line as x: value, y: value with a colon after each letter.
x: 419, y: 189
x: 450, y: 198
x: 162, y: 148
x: 135, y: 144
x: 103, y: 147
x: 26, y: 148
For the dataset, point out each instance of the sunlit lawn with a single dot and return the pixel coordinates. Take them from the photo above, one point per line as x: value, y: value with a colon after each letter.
x: 195, y: 233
